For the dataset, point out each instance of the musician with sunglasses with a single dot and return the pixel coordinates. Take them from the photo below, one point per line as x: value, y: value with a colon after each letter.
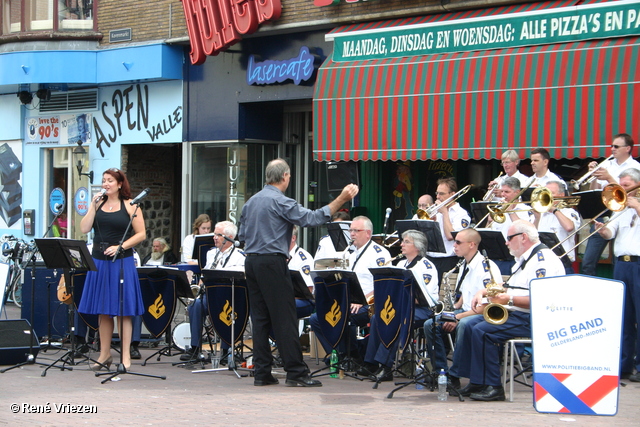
x: 625, y: 229
x: 481, y: 339
x: 473, y: 275
x: 607, y: 173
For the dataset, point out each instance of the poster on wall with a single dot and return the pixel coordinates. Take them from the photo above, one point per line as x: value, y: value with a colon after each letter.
x: 66, y: 129
x: 10, y: 187
x: 75, y: 127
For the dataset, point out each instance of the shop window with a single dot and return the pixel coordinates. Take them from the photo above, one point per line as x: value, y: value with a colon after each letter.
x: 39, y: 15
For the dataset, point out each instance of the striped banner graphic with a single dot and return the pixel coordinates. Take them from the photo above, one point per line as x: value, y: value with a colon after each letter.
x: 576, y: 394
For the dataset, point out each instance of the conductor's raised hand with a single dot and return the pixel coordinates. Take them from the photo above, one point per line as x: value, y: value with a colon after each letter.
x: 350, y: 191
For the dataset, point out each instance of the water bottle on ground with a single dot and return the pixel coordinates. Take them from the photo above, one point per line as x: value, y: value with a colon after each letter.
x: 442, y: 385
x: 333, y: 360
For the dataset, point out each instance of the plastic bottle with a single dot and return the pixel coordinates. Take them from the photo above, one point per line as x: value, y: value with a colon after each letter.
x: 333, y: 360
x: 442, y: 386
x: 419, y: 379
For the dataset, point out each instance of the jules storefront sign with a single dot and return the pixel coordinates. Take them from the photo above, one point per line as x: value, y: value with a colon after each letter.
x: 562, y: 25
x: 214, y: 25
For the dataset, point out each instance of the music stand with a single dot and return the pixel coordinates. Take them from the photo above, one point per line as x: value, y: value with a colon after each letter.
x: 551, y: 240
x: 431, y: 229
x: 182, y: 290
x: 493, y: 242
x: 479, y: 212
x: 71, y: 256
x: 354, y: 296
x: 300, y: 288
x: 201, y: 245
x: 231, y: 277
x: 590, y: 204
x: 339, y: 234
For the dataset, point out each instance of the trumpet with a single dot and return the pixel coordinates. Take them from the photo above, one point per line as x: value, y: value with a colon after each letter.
x: 489, y: 194
x: 494, y: 313
x: 588, y: 177
x: 432, y: 210
x: 614, y: 197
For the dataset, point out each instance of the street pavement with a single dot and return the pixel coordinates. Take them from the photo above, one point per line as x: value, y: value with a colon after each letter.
x: 216, y: 398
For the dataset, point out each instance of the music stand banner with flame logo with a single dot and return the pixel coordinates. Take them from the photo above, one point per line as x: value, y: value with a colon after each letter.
x: 219, y: 302
x: 332, y: 306
x: 393, y: 308
x: 159, y: 297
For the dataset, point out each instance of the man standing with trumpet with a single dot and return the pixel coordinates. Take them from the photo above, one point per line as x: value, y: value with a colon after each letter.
x: 482, y: 337
x: 625, y: 228
x: 607, y: 172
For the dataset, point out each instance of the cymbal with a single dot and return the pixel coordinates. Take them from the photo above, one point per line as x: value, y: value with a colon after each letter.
x: 326, y: 263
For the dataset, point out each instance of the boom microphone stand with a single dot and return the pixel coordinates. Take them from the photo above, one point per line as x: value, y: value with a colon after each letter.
x: 120, y: 368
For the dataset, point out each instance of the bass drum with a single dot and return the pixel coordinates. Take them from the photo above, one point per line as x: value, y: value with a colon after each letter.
x: 182, y: 336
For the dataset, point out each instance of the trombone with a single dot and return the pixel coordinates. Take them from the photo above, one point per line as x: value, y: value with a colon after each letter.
x: 541, y: 201
x: 432, y: 210
x: 614, y: 197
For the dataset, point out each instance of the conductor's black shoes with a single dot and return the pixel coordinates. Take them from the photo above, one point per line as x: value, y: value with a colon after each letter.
x: 190, y: 354
x: 489, y: 394
x: 305, y: 381
x: 470, y: 388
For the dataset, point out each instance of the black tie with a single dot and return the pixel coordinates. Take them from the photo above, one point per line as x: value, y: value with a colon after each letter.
x: 464, y: 273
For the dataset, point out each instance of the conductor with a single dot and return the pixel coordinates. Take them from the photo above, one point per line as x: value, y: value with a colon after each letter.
x: 267, y: 222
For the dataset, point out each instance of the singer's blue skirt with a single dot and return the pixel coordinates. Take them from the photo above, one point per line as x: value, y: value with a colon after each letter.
x: 101, y: 289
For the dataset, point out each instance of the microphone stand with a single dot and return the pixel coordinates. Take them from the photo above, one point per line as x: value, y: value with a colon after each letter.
x: 120, y: 368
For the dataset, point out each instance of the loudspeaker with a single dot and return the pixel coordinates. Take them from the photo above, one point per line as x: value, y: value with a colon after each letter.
x: 15, y: 342
x: 341, y: 174
x: 47, y: 307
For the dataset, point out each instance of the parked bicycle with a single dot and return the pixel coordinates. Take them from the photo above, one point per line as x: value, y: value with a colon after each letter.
x: 13, y: 253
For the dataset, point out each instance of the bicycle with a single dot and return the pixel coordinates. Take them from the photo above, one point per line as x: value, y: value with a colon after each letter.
x: 13, y: 250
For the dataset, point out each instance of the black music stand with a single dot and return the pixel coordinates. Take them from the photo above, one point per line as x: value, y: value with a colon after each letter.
x: 590, y: 204
x: 431, y: 229
x: 201, y: 245
x: 493, y: 242
x: 300, y: 288
x: 183, y: 290
x: 339, y: 232
x: 71, y: 256
x: 355, y: 296
x: 231, y: 277
x: 479, y: 212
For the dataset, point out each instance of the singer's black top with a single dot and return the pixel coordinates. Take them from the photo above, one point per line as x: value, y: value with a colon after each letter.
x: 109, y: 228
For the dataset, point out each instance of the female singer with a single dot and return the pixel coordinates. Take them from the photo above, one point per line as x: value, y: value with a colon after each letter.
x: 109, y: 215
x: 202, y: 225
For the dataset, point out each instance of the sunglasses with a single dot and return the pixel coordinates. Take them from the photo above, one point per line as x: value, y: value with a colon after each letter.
x: 512, y: 236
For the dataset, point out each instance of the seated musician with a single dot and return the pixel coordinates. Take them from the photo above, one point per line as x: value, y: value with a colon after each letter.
x: 378, y: 360
x: 451, y: 217
x: 514, y: 211
x: 223, y: 256
x: 302, y: 261
x: 474, y: 274
x: 480, y: 361
x: 424, y: 202
x: 367, y: 254
x: 325, y: 245
x: 561, y: 222
x: 161, y: 253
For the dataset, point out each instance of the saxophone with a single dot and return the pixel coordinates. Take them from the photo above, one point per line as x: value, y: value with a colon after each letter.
x: 494, y: 313
x: 445, y: 307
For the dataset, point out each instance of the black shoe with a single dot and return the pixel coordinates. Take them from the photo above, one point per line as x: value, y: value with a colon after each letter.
x: 635, y: 378
x: 625, y: 375
x: 271, y: 380
x: 385, y: 373
x: 489, y: 394
x: 190, y: 354
x: 368, y: 369
x: 135, y: 353
x: 470, y: 388
x: 305, y: 381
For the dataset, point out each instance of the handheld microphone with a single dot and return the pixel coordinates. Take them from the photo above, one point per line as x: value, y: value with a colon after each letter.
x: 234, y: 242
x: 140, y: 196
x: 99, y: 195
x: 386, y: 220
